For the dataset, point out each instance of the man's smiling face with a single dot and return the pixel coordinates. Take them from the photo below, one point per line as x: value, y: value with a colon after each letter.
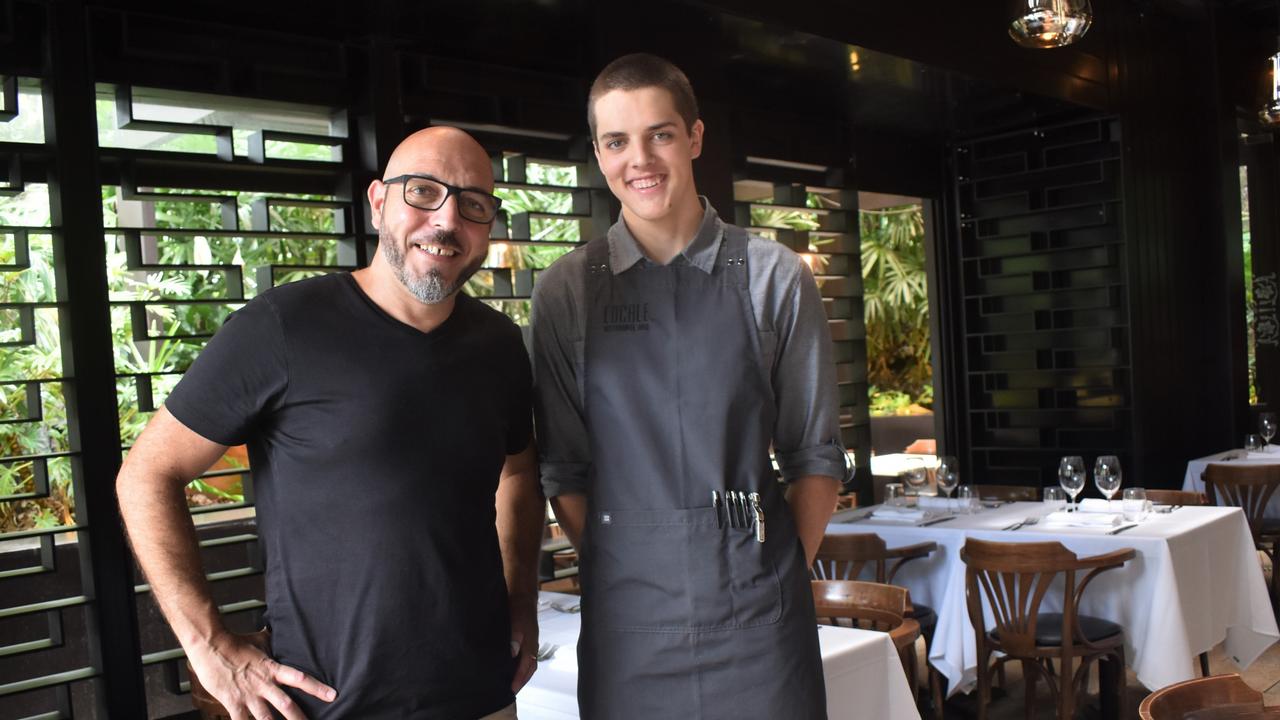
x: 645, y: 151
x: 433, y: 252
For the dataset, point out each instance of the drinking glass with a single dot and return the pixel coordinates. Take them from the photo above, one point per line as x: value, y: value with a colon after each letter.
x: 1252, y: 443
x: 966, y: 493
x: 1054, y: 497
x: 1267, y: 425
x: 1106, y: 475
x: 1134, y: 503
x: 948, y: 475
x: 914, y: 477
x: 893, y: 494
x: 1071, y: 475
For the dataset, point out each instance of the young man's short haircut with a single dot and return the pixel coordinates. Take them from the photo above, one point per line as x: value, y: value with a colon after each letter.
x: 642, y: 70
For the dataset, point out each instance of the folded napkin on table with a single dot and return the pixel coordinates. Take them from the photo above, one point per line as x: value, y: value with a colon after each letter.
x: 1098, y: 505
x: 947, y: 504
x: 897, y: 514
x: 1083, y: 519
x: 1267, y: 454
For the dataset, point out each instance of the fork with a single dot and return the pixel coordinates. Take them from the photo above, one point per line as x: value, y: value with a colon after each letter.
x: 546, y: 651
x: 1025, y: 521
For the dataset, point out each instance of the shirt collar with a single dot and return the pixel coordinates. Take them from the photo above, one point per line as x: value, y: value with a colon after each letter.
x: 624, y: 251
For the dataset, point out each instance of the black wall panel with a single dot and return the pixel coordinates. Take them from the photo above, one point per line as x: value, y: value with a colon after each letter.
x: 1043, y: 291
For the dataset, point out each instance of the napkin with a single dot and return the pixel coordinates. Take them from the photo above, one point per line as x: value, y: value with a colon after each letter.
x: 1267, y: 454
x: 1083, y: 519
x: 898, y: 514
x: 1098, y: 505
x: 946, y: 504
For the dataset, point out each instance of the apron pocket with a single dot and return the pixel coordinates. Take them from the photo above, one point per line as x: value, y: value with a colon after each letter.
x: 678, y: 571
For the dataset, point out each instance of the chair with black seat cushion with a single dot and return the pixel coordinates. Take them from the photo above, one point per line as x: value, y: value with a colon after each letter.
x: 1220, y: 697
x: 846, y: 556
x: 1013, y: 580
x: 1249, y: 487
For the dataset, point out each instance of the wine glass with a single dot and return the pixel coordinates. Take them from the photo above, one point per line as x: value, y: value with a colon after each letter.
x: 1071, y: 475
x: 914, y: 477
x: 948, y: 475
x: 1267, y: 426
x: 1106, y: 475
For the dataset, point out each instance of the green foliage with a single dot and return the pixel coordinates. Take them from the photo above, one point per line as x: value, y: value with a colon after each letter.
x: 531, y: 256
x: 40, y: 358
x: 1247, y: 239
x: 895, y: 296
x: 896, y: 300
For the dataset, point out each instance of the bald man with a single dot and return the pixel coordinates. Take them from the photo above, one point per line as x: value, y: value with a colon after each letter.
x: 387, y: 418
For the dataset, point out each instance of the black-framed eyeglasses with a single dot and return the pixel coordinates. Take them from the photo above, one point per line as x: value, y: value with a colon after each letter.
x: 428, y: 193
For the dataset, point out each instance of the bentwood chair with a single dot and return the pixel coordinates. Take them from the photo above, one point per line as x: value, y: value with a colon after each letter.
x: 845, y: 557
x: 1007, y: 493
x: 1249, y: 487
x: 1013, y: 579
x: 870, y: 606
x: 1177, y: 497
x: 1217, y: 697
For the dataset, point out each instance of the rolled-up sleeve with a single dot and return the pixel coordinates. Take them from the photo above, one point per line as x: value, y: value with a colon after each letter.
x: 806, y: 434
x: 559, y: 421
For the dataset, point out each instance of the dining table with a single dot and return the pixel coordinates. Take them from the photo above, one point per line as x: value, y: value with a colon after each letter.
x: 863, y: 673
x: 1270, y: 455
x: 1195, y: 581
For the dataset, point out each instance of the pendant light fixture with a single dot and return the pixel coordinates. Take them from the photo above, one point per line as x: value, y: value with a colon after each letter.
x: 1050, y: 23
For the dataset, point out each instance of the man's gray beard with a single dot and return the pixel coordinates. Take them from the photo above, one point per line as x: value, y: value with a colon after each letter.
x: 432, y: 288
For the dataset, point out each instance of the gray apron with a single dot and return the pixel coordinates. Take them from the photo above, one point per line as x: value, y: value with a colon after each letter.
x: 684, y: 616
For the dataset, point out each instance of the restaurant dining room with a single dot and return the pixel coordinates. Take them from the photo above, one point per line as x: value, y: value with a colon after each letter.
x: 981, y: 418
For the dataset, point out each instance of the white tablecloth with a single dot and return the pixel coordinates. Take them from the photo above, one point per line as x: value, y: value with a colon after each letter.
x: 1195, y: 469
x: 1195, y: 582
x: 863, y: 673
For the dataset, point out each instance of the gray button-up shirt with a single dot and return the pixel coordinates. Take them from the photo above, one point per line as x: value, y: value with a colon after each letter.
x: 793, y: 332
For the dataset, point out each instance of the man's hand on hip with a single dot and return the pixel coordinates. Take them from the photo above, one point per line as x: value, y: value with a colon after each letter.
x: 248, y: 682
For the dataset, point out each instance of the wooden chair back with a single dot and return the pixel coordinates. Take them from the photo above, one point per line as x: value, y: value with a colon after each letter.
x: 1248, y: 487
x: 1177, y: 497
x: 845, y: 557
x: 1014, y: 578
x: 870, y: 606
x: 866, y: 605
x: 1176, y: 701
x: 1007, y: 493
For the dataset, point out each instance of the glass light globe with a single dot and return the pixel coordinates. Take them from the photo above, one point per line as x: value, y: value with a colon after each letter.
x: 1050, y: 23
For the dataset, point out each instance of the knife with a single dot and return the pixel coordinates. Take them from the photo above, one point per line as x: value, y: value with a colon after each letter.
x: 935, y: 521
x: 1122, y: 528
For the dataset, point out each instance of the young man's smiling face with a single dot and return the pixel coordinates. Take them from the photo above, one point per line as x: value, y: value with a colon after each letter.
x: 646, y: 152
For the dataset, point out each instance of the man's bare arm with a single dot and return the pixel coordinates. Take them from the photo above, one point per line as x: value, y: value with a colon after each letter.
x: 166, y: 457
x: 520, y: 515
x: 571, y: 513
x: 812, y: 499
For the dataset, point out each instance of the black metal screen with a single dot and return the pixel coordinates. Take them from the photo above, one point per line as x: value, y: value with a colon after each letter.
x: 1045, y: 315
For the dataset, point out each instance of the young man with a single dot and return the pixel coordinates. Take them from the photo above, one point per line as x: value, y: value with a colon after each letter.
x: 388, y: 424
x: 668, y: 357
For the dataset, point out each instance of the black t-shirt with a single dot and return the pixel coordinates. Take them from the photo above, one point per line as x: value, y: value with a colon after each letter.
x: 376, y: 451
